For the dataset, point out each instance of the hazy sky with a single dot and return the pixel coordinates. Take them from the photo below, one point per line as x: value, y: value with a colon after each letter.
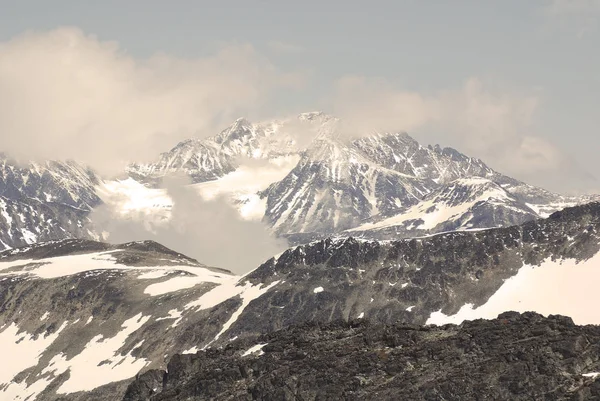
x: 514, y: 82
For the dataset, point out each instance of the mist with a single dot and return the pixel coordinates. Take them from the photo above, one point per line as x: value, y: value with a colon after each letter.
x: 210, y: 231
x: 481, y: 118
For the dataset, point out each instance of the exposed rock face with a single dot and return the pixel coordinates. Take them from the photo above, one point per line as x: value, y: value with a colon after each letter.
x: 514, y: 357
x: 45, y: 202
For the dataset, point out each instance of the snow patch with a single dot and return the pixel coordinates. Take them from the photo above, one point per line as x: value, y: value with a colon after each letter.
x: 255, y: 349
x: 563, y: 287
x: 100, y: 361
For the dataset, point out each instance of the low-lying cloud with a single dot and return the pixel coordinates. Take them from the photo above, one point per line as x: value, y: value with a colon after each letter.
x: 211, y: 231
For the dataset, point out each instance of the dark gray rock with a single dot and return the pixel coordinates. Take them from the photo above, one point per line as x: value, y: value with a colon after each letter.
x: 513, y: 357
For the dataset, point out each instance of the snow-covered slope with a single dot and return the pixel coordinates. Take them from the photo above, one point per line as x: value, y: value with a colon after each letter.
x: 333, y: 187
x: 80, y: 316
x: 462, y: 204
x: 566, y: 286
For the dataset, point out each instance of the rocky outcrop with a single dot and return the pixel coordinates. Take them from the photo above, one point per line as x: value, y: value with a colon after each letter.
x: 513, y: 357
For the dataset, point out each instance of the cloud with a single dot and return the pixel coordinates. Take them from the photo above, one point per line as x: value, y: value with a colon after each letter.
x: 366, y: 104
x: 491, y: 122
x: 581, y: 15
x: 211, y: 231
x: 65, y: 94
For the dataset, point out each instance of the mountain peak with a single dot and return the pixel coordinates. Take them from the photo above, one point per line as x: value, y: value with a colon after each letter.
x: 239, y: 130
x: 315, y: 116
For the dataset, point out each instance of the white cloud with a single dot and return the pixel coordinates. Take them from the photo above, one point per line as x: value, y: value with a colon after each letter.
x: 65, y: 94
x: 372, y: 104
x: 212, y: 231
x: 491, y: 122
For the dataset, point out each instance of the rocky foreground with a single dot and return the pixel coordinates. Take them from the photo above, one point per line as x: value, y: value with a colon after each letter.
x: 514, y: 357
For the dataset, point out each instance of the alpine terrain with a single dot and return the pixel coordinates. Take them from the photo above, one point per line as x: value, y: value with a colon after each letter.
x: 82, y: 318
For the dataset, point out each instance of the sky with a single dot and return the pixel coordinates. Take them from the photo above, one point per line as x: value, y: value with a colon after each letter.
x: 515, y: 83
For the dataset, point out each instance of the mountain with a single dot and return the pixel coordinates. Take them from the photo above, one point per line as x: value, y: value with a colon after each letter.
x: 513, y: 357
x: 209, y: 159
x: 301, y: 176
x: 402, y: 153
x: 434, y: 279
x: 81, y: 318
x: 67, y: 183
x: 388, y: 185
x: 42, y: 202
x: 339, y: 183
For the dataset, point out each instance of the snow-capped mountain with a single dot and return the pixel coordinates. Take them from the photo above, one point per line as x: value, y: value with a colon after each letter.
x: 364, y: 185
x: 45, y: 202
x: 84, y: 317
x: 391, y: 178
x: 209, y: 159
x: 402, y: 153
x: 67, y: 183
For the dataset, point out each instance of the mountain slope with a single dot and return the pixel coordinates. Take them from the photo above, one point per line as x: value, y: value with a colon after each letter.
x: 465, y: 203
x: 333, y: 187
x: 412, y: 280
x: 78, y: 315
x: 45, y: 202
